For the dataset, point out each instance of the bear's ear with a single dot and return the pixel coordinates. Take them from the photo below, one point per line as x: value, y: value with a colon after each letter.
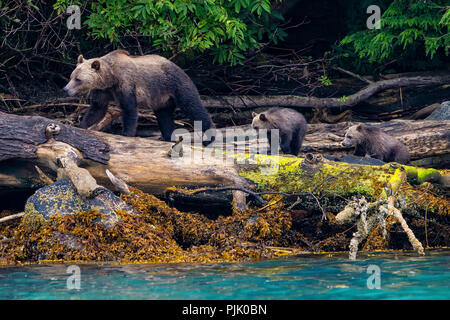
x: 254, y: 114
x: 80, y: 59
x: 95, y: 65
x: 262, y: 117
x: 359, y: 127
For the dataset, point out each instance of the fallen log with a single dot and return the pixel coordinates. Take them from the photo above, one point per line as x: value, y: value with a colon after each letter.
x: 313, y: 183
x: 143, y: 163
x: 21, y: 135
x: 250, y: 102
x: 425, y: 139
x: 146, y: 164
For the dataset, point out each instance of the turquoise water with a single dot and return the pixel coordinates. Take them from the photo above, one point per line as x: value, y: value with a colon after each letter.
x: 402, y: 276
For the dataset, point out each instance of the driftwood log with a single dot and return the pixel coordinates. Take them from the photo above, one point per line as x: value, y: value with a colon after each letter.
x: 427, y: 141
x: 249, y: 102
x: 95, y: 160
x: 145, y: 163
x: 424, y: 138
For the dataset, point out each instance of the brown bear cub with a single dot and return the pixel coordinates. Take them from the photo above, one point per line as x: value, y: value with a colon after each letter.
x: 291, y: 126
x: 149, y: 81
x: 375, y: 143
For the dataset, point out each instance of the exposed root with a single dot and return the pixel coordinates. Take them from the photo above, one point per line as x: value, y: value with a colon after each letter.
x: 392, y: 210
x: 365, y: 225
x: 360, y: 208
x: 44, y: 178
x: 119, y: 184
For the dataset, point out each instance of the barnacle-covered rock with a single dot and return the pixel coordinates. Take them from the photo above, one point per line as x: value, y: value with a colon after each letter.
x: 62, y: 198
x: 161, y: 233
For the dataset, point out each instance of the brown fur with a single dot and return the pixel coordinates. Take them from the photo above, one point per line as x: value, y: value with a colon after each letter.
x: 292, y: 126
x: 375, y: 143
x: 149, y: 81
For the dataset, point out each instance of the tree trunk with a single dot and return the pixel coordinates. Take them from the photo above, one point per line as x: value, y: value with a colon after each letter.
x: 423, y: 138
x: 146, y: 164
x: 249, y: 102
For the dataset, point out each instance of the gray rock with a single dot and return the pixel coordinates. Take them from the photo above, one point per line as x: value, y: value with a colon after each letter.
x: 441, y: 113
x: 62, y: 197
x: 362, y: 160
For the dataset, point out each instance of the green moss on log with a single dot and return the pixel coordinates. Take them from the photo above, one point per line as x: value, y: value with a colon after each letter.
x: 420, y: 175
x: 295, y: 175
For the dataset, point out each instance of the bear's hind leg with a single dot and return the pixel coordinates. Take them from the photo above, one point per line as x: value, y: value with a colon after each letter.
x: 165, y: 122
x: 285, y: 144
x: 188, y: 100
x: 297, y: 141
x: 402, y: 155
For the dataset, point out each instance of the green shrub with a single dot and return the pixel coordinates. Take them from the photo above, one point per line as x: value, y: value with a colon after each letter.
x: 413, y: 33
x: 227, y: 29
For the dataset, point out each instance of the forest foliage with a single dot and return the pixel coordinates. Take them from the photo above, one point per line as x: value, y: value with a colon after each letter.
x: 228, y: 29
x: 413, y: 33
x: 36, y: 43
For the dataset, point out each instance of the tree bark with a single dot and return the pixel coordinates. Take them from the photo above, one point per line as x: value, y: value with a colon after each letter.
x: 249, y: 102
x: 423, y: 138
x: 146, y: 164
x: 21, y: 135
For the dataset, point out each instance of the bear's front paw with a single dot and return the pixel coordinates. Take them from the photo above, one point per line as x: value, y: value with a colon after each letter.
x: 286, y: 150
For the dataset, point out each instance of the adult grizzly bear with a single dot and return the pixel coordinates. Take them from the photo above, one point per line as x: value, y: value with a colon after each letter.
x: 292, y: 126
x: 375, y: 143
x: 146, y: 81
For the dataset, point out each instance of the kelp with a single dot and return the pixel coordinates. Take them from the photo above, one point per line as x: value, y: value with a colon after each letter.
x: 159, y: 233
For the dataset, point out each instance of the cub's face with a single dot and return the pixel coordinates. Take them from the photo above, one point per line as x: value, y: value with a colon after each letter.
x: 86, y: 76
x: 352, y: 136
x: 260, y: 121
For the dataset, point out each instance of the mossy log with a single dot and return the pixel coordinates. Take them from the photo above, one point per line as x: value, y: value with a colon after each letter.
x: 428, y: 141
x: 307, y: 183
x: 147, y: 165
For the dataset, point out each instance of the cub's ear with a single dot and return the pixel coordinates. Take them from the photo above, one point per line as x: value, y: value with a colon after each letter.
x: 95, y: 65
x: 262, y: 117
x: 80, y: 59
x: 359, y: 127
x: 254, y: 114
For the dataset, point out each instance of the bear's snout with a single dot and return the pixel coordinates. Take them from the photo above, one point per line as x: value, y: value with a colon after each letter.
x: 346, y: 143
x: 68, y: 91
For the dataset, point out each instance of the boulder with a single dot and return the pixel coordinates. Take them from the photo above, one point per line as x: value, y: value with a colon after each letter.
x: 441, y: 113
x: 62, y: 198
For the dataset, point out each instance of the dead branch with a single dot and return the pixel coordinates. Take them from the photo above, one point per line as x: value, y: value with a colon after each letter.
x: 12, y: 217
x: 359, y: 208
x: 354, y: 75
x: 249, y: 102
x: 393, y: 211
